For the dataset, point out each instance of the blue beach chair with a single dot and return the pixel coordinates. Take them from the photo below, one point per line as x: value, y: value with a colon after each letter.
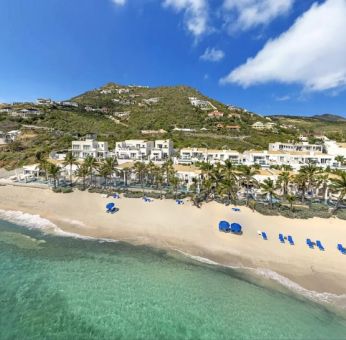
x: 309, y: 243
x: 281, y: 238
x: 290, y: 240
x: 319, y: 245
x: 264, y: 236
x: 341, y: 249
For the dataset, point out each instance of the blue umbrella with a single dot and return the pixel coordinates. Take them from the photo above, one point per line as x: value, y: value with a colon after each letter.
x: 224, y: 226
x: 110, y: 206
x: 235, y: 228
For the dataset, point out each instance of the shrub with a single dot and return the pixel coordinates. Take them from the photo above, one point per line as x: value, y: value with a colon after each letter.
x: 66, y: 190
x: 265, y: 210
x: 133, y: 194
x: 341, y: 214
x: 57, y: 190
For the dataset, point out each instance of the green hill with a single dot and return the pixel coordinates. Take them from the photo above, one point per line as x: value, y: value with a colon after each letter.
x: 116, y: 112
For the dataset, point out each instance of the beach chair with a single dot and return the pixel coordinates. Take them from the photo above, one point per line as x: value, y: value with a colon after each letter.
x: 264, y: 236
x: 290, y: 240
x: 319, y: 245
x: 236, y: 209
x: 309, y: 243
x: 281, y: 238
x: 341, y: 249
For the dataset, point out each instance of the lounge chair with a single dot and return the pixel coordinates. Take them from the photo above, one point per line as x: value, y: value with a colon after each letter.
x: 319, y: 245
x: 236, y: 209
x: 309, y: 243
x: 281, y: 238
x: 341, y: 249
x: 290, y: 240
x: 264, y: 236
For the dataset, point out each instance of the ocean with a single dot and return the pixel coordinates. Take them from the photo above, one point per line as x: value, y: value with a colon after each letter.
x: 58, y: 287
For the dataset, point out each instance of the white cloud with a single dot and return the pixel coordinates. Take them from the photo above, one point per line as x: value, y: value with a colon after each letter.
x: 312, y: 52
x: 212, y: 54
x: 196, y: 14
x: 119, y: 2
x: 251, y: 13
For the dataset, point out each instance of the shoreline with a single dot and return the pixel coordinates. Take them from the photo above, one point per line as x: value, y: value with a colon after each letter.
x: 193, y: 231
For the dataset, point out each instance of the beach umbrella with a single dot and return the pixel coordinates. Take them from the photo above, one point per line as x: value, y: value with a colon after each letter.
x: 110, y: 206
x: 236, y: 228
x: 224, y: 226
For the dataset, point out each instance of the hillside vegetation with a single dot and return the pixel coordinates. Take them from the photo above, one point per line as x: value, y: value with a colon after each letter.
x: 117, y: 112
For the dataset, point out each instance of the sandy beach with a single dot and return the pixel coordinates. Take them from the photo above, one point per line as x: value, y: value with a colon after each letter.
x: 165, y: 224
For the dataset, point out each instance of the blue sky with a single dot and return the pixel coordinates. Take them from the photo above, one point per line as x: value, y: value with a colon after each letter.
x: 269, y: 56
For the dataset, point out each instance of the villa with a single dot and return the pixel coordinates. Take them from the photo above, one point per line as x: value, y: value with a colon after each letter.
x: 215, y: 114
x: 193, y: 155
x: 304, y: 146
x: 202, y: 104
x: 142, y: 150
x: 90, y: 147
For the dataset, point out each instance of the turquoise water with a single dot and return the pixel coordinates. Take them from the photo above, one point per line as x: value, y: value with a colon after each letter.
x: 62, y: 288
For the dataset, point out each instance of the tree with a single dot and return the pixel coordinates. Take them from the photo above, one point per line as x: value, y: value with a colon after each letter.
x: 82, y: 172
x: 291, y: 199
x: 323, y: 181
x: 140, y: 169
x: 248, y: 173
x: 339, y: 185
x: 105, y: 171
x: 341, y: 160
x: 168, y: 169
x: 91, y: 164
x: 43, y: 164
x: 268, y: 187
x: 310, y: 171
x: 175, y: 181
x: 301, y: 181
x: 53, y: 172
x: 70, y: 160
x: 284, y: 180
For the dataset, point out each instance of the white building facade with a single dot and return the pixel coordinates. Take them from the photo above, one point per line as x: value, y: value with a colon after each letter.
x: 90, y: 147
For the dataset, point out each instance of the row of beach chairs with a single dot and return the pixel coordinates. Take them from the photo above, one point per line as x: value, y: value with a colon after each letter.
x: 309, y: 243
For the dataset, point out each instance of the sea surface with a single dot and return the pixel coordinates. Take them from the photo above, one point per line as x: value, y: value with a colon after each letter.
x: 55, y: 287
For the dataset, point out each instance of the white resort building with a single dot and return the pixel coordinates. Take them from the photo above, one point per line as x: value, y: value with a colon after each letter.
x: 90, y: 147
x: 193, y: 155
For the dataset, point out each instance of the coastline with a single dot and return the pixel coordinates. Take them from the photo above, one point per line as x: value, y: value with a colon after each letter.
x: 192, y: 231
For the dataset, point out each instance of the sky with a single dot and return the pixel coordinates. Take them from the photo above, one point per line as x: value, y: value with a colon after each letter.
x: 268, y: 56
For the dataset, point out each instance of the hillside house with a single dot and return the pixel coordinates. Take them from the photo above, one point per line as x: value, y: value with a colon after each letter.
x: 215, y: 114
x: 90, y: 147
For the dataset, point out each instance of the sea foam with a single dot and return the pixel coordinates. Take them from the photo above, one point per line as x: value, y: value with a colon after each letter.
x: 37, y: 222
x: 324, y: 298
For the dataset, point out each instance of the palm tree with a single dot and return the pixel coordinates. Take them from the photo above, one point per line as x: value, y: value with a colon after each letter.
x: 91, y: 164
x: 70, y: 160
x: 230, y: 188
x: 268, y: 187
x: 284, y: 180
x: 43, y: 164
x: 82, y: 172
x: 310, y: 171
x: 248, y: 174
x: 105, y: 171
x: 168, y: 169
x: 301, y: 181
x: 175, y: 181
x: 291, y: 199
x: 339, y: 185
x: 341, y: 160
x: 110, y: 163
x: 206, y: 168
x: 140, y: 169
x: 322, y: 181
x: 54, y: 171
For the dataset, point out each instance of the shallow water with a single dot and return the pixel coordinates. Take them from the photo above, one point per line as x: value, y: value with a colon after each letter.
x: 56, y: 287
